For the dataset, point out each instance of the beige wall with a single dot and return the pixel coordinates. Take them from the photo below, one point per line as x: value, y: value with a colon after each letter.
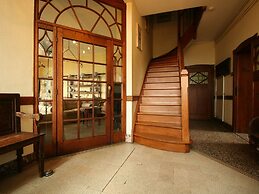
x: 245, y: 26
x: 16, y: 48
x: 16, y: 54
x: 164, y: 36
x: 200, y: 52
x: 137, y: 60
x: 141, y: 58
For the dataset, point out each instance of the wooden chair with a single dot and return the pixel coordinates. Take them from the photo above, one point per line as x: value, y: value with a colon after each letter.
x: 11, y: 136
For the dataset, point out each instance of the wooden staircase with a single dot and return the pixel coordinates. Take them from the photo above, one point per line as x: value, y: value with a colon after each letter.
x: 159, y: 117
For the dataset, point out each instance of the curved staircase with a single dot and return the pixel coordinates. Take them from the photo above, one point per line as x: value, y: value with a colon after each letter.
x: 159, y: 117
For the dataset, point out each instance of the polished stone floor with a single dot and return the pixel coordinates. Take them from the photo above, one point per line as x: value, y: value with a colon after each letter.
x: 133, y: 169
x: 218, y: 142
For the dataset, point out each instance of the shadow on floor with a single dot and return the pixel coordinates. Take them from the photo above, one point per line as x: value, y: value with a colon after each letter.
x: 213, y: 139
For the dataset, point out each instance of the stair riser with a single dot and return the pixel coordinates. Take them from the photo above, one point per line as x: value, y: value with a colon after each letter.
x: 163, y: 64
x: 165, y: 74
x: 174, y: 120
x: 162, y: 79
x: 161, y: 93
x: 165, y: 60
x: 183, y: 148
x: 170, y: 132
x: 160, y: 101
x: 161, y: 109
x: 163, y: 69
x: 162, y: 85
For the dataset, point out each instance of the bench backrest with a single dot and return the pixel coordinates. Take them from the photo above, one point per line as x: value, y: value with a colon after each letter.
x: 9, y: 105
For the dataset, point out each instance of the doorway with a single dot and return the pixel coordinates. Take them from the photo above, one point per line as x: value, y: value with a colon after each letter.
x: 80, y: 73
x: 246, y: 84
x: 201, y: 87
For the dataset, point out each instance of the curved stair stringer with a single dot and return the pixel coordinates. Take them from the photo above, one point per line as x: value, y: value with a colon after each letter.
x: 158, y: 122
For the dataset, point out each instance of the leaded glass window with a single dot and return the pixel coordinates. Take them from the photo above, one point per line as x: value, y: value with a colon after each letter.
x: 198, y: 78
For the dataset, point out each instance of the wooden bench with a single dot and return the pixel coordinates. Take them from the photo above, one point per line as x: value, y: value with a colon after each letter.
x: 11, y: 137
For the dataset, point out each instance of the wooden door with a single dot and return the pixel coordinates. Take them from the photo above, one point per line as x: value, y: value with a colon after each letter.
x: 246, y: 87
x: 84, y: 91
x: 201, y: 91
x: 243, y: 91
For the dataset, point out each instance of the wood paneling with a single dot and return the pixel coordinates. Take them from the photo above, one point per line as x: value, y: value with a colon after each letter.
x: 27, y: 100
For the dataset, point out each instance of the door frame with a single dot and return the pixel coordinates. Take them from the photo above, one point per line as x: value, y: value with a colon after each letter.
x: 247, y: 44
x: 73, y: 145
x: 117, y: 136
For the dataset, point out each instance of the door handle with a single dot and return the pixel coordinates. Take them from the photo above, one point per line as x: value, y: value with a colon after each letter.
x: 109, y: 88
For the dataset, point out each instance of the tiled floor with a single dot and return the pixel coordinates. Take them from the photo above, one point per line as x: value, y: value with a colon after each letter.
x: 132, y: 168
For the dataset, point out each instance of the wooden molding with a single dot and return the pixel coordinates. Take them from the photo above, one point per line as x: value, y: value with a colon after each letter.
x: 132, y: 98
x: 27, y: 100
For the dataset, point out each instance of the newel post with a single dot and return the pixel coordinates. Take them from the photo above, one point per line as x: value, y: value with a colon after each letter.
x: 185, y: 106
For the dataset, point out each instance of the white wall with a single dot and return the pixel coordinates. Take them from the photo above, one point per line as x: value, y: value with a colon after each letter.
x: 245, y: 27
x: 164, y: 36
x: 16, y: 55
x: 137, y: 60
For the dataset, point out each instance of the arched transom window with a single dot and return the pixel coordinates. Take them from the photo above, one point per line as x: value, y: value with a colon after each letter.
x: 89, y: 15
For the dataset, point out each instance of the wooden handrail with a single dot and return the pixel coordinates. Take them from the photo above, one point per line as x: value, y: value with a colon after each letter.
x: 180, y: 56
x: 185, y: 35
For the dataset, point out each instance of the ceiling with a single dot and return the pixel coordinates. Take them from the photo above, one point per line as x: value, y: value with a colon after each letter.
x: 213, y: 22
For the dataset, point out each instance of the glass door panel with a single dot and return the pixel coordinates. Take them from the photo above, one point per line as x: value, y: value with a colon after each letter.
x: 117, y: 94
x: 45, y: 83
x: 84, y: 97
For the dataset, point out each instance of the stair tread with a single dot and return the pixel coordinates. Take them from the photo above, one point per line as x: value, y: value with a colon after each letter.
x: 170, y: 64
x: 161, y: 96
x: 163, y: 66
x: 167, y: 125
x: 161, y: 138
x: 159, y: 114
x: 163, y: 71
x: 161, y: 89
x: 163, y: 76
x: 161, y: 82
x: 168, y: 96
x: 158, y: 105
